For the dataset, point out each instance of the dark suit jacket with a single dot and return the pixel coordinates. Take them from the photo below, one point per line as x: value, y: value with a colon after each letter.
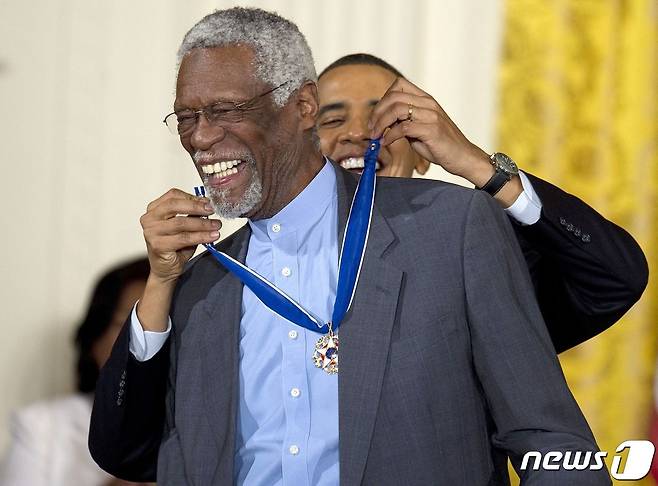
x: 446, y: 367
x: 587, y: 271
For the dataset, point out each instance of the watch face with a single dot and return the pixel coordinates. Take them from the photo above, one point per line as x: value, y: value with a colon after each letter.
x: 506, y: 164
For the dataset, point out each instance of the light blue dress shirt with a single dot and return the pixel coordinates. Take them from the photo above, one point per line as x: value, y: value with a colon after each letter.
x: 287, y: 430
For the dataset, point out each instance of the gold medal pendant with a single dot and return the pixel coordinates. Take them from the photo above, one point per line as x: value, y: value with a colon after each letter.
x: 325, y: 355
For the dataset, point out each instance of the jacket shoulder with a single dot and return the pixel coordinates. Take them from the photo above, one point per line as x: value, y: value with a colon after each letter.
x: 396, y: 195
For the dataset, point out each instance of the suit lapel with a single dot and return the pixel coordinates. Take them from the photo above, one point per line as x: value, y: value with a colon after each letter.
x: 219, y: 316
x: 364, y: 339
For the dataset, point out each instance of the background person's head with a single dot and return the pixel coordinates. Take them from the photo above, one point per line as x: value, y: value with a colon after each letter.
x: 111, y: 302
x: 348, y: 89
x: 259, y: 66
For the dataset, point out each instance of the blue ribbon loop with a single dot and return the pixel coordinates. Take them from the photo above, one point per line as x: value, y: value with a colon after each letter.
x: 349, y: 263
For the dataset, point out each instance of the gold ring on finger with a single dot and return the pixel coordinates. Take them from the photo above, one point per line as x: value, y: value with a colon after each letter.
x: 410, y: 112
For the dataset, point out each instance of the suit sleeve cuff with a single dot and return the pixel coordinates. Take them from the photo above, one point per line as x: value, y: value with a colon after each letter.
x: 526, y: 210
x: 145, y: 344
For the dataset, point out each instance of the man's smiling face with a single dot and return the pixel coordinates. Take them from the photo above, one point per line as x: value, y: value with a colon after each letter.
x: 347, y: 95
x: 248, y: 166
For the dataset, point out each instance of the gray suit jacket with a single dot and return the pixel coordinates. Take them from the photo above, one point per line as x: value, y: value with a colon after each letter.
x: 446, y: 367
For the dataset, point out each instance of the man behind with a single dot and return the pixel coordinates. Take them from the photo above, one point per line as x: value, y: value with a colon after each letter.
x: 586, y: 270
x: 446, y: 367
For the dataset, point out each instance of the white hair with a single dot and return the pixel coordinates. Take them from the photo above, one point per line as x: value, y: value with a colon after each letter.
x: 281, y: 51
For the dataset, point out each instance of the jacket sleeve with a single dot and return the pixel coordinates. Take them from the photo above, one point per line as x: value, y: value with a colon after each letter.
x: 526, y: 392
x: 587, y: 271
x: 128, y: 417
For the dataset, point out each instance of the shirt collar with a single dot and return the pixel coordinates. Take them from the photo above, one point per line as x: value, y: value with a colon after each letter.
x: 303, y: 211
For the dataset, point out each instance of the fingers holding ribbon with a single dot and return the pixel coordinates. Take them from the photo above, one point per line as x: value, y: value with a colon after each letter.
x: 402, y: 102
x: 170, y: 233
x: 406, y: 111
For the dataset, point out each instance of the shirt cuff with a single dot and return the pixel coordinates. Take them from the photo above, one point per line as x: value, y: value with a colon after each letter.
x: 526, y: 210
x: 145, y: 344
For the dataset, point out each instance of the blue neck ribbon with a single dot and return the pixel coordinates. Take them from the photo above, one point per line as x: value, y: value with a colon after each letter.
x: 349, y: 262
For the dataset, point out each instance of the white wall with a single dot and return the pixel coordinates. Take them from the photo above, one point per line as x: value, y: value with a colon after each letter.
x: 83, y: 88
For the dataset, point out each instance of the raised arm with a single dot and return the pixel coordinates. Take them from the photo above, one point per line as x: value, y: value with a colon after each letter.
x: 587, y: 271
x: 134, y: 398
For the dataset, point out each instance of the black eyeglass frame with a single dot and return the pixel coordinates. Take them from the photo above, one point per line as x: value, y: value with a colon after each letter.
x: 237, y: 107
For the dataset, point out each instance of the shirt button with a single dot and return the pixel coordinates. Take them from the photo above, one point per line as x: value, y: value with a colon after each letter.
x: 294, y: 392
x: 294, y: 450
x: 285, y: 271
x: 276, y: 227
x: 292, y: 334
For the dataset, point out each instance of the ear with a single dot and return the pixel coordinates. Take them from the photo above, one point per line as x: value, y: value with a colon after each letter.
x: 422, y: 165
x: 308, y: 104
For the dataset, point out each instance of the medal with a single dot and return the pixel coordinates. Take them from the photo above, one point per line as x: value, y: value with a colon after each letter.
x: 325, y: 353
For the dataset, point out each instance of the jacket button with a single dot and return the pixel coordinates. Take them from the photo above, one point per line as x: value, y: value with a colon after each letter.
x: 569, y: 227
x: 119, y: 401
x: 563, y: 221
x: 586, y: 238
x: 576, y: 232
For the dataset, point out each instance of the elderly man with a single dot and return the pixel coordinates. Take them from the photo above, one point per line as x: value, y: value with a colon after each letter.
x: 446, y: 368
x: 587, y: 271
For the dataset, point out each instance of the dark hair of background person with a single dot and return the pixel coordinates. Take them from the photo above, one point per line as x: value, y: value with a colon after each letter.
x: 100, y: 312
x: 360, y: 58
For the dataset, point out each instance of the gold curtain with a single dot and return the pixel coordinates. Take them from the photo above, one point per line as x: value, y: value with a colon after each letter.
x: 578, y: 106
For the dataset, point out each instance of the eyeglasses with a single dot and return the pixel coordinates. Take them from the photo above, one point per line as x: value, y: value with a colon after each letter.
x: 220, y: 113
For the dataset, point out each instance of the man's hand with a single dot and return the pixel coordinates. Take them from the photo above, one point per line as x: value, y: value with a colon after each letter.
x: 434, y: 136
x: 171, y: 239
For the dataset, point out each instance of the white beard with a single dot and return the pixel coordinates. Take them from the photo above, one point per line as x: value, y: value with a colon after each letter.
x: 225, y: 208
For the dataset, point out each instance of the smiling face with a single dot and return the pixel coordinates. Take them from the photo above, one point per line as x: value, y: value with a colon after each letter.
x: 347, y: 95
x: 255, y: 166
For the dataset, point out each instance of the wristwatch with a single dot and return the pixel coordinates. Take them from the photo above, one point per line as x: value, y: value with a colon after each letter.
x: 505, y: 167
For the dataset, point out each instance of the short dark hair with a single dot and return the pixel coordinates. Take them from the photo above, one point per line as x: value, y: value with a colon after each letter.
x: 102, y: 306
x: 358, y: 59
